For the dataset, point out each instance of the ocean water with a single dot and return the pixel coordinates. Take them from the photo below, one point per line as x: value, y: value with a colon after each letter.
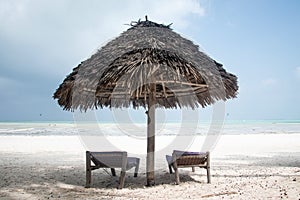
x: 140, y: 129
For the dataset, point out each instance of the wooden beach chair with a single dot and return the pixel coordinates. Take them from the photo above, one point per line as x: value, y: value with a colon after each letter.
x: 112, y: 160
x: 183, y: 159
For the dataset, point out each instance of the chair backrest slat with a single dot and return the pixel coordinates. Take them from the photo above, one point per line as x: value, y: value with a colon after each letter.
x: 189, y: 158
x: 117, y: 159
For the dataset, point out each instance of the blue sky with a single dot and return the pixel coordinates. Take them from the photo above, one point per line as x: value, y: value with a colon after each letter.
x: 41, y: 41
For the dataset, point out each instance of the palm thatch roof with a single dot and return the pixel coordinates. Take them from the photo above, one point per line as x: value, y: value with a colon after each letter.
x: 120, y: 73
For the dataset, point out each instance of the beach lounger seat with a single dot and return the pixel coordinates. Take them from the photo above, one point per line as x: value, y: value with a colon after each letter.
x: 112, y: 160
x: 183, y: 159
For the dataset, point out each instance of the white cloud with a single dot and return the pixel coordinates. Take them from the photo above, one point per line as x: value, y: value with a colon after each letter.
x: 16, y: 13
x: 104, y: 17
x: 176, y: 11
x: 11, y: 10
x: 269, y: 82
x: 61, y: 33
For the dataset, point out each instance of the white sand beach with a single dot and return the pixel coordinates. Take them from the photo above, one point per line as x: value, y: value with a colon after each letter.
x: 255, y: 166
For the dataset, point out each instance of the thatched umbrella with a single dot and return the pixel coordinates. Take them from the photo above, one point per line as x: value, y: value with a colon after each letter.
x: 148, y: 65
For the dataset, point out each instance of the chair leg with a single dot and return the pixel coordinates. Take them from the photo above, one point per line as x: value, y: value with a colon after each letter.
x: 122, y: 179
x: 208, y: 175
x: 170, y: 169
x: 136, y: 170
x: 208, y: 168
x: 113, y: 171
x: 177, y: 176
x: 88, y: 170
x: 193, y: 169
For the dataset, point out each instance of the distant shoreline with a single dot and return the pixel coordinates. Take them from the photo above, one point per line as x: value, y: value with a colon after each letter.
x: 141, y: 122
x: 139, y: 129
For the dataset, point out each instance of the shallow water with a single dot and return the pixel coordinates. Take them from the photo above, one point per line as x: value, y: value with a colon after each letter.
x: 140, y: 129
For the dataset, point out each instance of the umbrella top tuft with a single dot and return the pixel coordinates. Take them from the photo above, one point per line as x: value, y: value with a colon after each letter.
x: 148, y: 23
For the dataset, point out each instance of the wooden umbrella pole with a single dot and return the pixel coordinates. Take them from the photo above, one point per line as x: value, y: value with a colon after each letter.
x: 151, y: 135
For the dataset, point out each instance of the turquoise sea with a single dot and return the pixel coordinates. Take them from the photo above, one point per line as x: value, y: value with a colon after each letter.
x: 139, y: 129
